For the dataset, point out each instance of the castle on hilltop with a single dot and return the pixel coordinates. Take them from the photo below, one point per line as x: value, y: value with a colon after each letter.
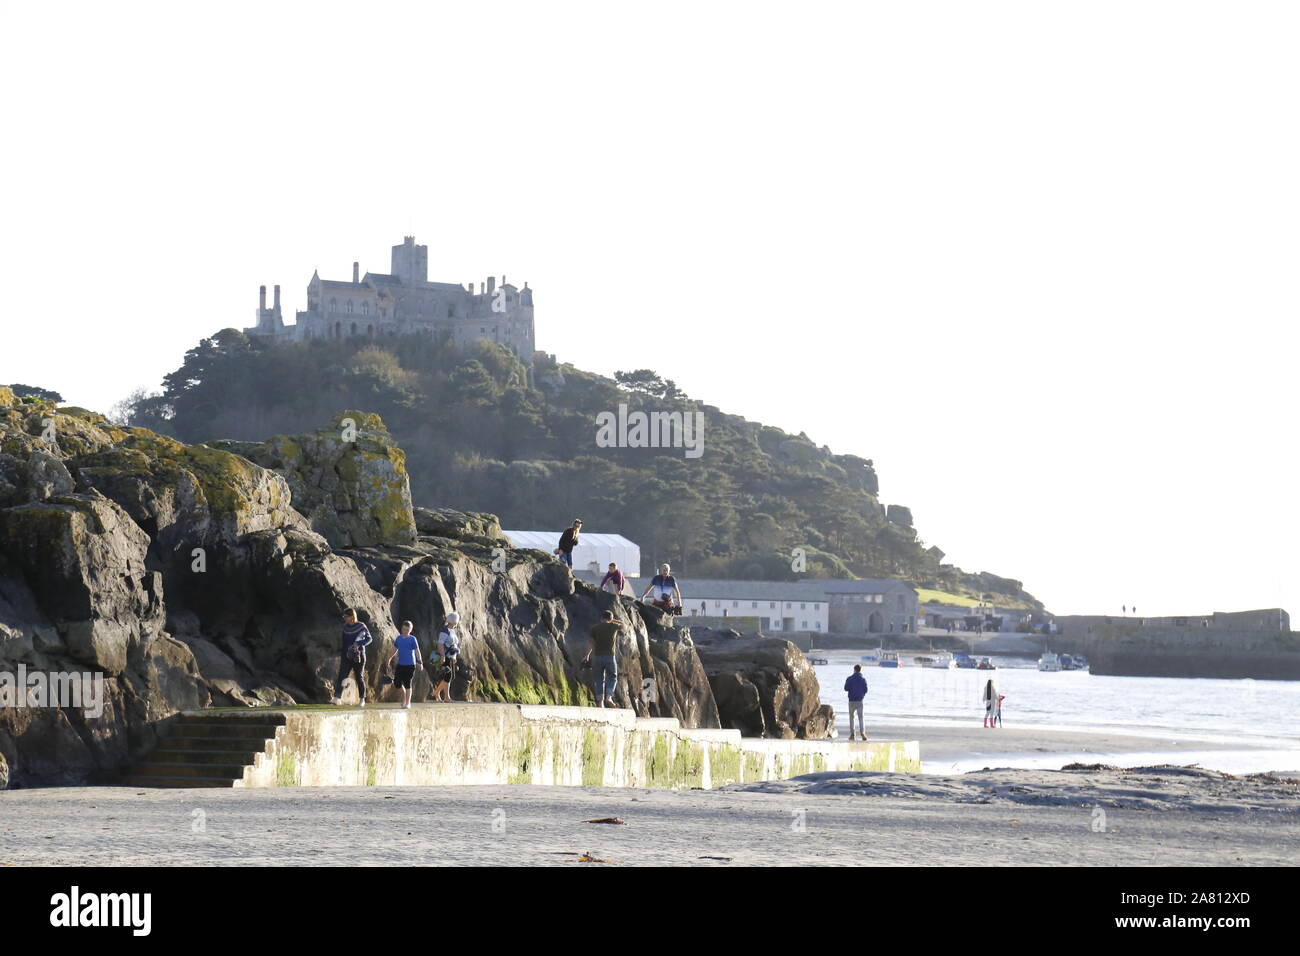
x: 377, y: 305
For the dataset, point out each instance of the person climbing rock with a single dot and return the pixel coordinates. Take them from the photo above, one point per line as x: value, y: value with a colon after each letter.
x: 602, y: 655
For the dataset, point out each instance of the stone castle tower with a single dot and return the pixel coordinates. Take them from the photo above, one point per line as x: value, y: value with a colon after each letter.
x: 402, y: 300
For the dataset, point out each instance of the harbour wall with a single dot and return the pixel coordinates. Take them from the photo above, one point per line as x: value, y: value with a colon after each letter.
x: 480, y: 743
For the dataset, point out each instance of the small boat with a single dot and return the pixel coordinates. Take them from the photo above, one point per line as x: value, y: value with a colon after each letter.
x: 889, y: 659
x: 943, y: 662
x: 965, y: 661
x: 984, y: 664
x: 817, y: 660
x: 1074, y: 662
x: 1049, y: 662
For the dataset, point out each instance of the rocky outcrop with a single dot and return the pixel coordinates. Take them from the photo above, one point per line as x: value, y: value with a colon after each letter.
x: 349, y: 479
x: 184, y: 576
x: 763, y: 686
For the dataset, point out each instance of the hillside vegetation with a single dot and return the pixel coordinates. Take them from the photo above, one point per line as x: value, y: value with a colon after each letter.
x: 482, y: 434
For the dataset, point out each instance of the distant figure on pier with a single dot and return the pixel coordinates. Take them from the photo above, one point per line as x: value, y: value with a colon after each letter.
x: 569, y: 541
x: 352, y: 656
x: 602, y: 655
x: 990, y: 703
x: 856, y: 687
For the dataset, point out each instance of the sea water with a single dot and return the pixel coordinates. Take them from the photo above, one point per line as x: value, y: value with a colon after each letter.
x: 1263, y: 717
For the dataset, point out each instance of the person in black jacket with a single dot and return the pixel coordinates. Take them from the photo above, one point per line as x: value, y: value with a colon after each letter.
x: 569, y: 541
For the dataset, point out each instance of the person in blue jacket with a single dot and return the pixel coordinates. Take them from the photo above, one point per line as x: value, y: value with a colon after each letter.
x: 856, y: 687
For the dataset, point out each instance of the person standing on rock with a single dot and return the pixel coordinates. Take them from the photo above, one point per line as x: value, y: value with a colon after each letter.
x: 407, y: 651
x: 356, y: 637
x: 856, y: 687
x: 569, y: 541
x: 602, y: 654
x: 448, y: 651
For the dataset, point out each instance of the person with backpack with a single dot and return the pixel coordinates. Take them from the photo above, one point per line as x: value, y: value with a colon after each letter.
x: 406, y: 649
x: 602, y: 656
x: 356, y: 637
x: 448, y: 649
x: 569, y: 541
x: 856, y: 687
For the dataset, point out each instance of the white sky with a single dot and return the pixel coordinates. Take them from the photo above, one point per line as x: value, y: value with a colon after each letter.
x: 1037, y: 260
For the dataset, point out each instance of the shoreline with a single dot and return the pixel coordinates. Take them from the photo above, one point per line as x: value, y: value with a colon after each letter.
x: 957, y: 749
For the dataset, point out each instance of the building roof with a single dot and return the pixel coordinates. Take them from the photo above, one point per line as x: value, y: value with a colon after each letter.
x: 549, y: 540
x: 858, y: 585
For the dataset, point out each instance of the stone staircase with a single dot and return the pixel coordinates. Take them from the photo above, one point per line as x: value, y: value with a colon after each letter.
x: 202, y: 751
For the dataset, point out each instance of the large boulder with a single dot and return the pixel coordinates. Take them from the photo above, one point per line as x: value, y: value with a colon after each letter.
x: 764, y: 686
x: 349, y: 480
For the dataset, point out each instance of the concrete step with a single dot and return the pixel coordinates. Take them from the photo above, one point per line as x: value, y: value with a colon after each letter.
x: 143, y: 780
x: 156, y: 768
x: 236, y: 728
x: 232, y: 744
x: 277, y: 720
x: 227, y: 757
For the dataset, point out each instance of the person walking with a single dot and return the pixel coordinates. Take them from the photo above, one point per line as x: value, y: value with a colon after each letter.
x: 856, y: 687
x: 602, y: 655
x: 352, y: 656
x: 990, y: 702
x: 406, y: 649
x: 614, y: 578
x: 569, y: 541
x: 997, y: 714
x: 448, y: 649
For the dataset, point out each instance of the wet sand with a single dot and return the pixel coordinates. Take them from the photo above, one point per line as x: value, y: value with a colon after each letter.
x: 1004, y: 817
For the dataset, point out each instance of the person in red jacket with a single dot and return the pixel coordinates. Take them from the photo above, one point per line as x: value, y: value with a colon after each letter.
x: 614, y: 578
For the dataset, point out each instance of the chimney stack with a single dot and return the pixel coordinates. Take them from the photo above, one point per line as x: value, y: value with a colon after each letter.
x: 356, y: 272
x: 277, y: 300
x: 492, y: 284
x: 261, y: 298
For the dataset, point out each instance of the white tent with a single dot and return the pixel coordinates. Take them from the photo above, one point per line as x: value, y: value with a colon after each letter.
x: 593, y: 553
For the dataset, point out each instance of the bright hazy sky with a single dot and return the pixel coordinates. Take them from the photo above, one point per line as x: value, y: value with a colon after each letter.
x: 1037, y: 260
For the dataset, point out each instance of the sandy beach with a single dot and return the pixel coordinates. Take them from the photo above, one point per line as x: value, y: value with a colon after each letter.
x: 1162, y: 816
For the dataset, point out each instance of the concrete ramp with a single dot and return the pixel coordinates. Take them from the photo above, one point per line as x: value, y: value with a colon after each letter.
x: 482, y: 743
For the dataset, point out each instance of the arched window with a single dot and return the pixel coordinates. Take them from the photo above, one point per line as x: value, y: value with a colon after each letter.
x: 349, y: 306
x: 338, y: 330
x: 334, y: 304
x: 365, y: 308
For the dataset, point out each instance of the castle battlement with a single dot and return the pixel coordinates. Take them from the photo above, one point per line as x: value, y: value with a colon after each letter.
x: 403, y: 300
